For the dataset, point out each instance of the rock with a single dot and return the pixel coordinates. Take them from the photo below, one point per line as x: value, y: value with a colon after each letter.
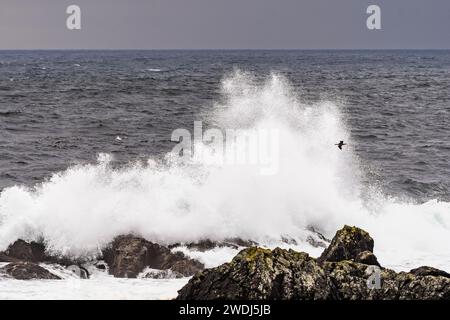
x: 22, y: 250
x: 367, y: 257
x: 187, y: 267
x: 27, y: 271
x: 101, y: 265
x: 423, y: 287
x: 128, y: 255
x: 80, y: 271
x: 347, y: 244
x: 317, y: 239
x: 161, y: 274
x: 289, y: 240
x: 207, y: 244
x: 318, y: 234
x: 35, y: 252
x: 240, y: 242
x: 350, y: 281
x: 257, y: 273
x: 429, y: 271
x: 203, y: 245
x: 316, y: 243
x: 5, y: 258
x: 260, y: 274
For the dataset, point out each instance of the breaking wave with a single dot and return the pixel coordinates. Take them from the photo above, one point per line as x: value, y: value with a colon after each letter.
x: 79, y: 210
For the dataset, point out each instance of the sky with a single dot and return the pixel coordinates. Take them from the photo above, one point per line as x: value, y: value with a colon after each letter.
x: 225, y: 24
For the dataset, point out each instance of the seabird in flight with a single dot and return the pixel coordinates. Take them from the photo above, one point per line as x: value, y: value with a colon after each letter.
x: 340, y: 144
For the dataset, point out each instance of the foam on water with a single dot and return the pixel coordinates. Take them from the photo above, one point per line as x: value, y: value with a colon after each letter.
x: 99, y: 287
x: 80, y: 210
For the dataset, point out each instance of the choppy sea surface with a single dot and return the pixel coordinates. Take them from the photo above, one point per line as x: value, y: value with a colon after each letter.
x: 86, y: 141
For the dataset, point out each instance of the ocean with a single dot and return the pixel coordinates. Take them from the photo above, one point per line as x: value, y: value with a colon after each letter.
x: 86, y: 153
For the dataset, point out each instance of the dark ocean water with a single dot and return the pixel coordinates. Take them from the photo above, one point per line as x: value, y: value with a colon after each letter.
x: 59, y: 108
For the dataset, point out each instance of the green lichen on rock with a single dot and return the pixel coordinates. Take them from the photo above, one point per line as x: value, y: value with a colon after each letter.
x: 262, y: 274
x: 347, y: 244
x: 257, y: 273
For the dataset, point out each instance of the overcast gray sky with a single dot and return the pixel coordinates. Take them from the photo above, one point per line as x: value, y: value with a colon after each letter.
x: 228, y: 24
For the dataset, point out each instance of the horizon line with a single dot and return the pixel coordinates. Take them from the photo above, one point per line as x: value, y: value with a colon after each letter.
x: 224, y: 49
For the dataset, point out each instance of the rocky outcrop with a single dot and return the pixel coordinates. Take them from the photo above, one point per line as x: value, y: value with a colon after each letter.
x: 257, y: 273
x: 22, y: 250
x: 27, y: 271
x: 316, y: 238
x: 80, y: 271
x: 5, y: 258
x: 23, y: 258
x: 128, y: 255
x: 367, y: 257
x: 347, y: 244
x: 351, y: 281
x: 207, y: 244
x: 161, y: 274
x: 347, y: 270
x: 429, y: 271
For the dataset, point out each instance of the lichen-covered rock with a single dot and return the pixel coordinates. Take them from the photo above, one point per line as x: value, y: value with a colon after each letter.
x: 412, y: 287
x: 257, y: 273
x: 27, y: 271
x: 429, y: 271
x: 351, y: 281
x: 347, y: 244
x: 128, y: 255
x: 347, y: 270
x: 367, y: 257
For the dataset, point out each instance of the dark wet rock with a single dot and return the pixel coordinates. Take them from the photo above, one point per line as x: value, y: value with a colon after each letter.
x: 281, y: 274
x: 128, y: 255
x: 207, y: 244
x: 186, y: 267
x: 100, y: 265
x: 203, y: 245
x: 289, y: 240
x: 427, y: 287
x: 347, y: 270
x: 5, y: 258
x: 257, y: 273
x: 27, y: 271
x: 22, y: 250
x: 351, y: 281
x: 429, y: 271
x: 241, y: 242
x: 316, y: 238
x: 367, y: 257
x: 161, y: 274
x: 318, y: 234
x: 316, y: 243
x: 347, y: 244
x: 80, y: 271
